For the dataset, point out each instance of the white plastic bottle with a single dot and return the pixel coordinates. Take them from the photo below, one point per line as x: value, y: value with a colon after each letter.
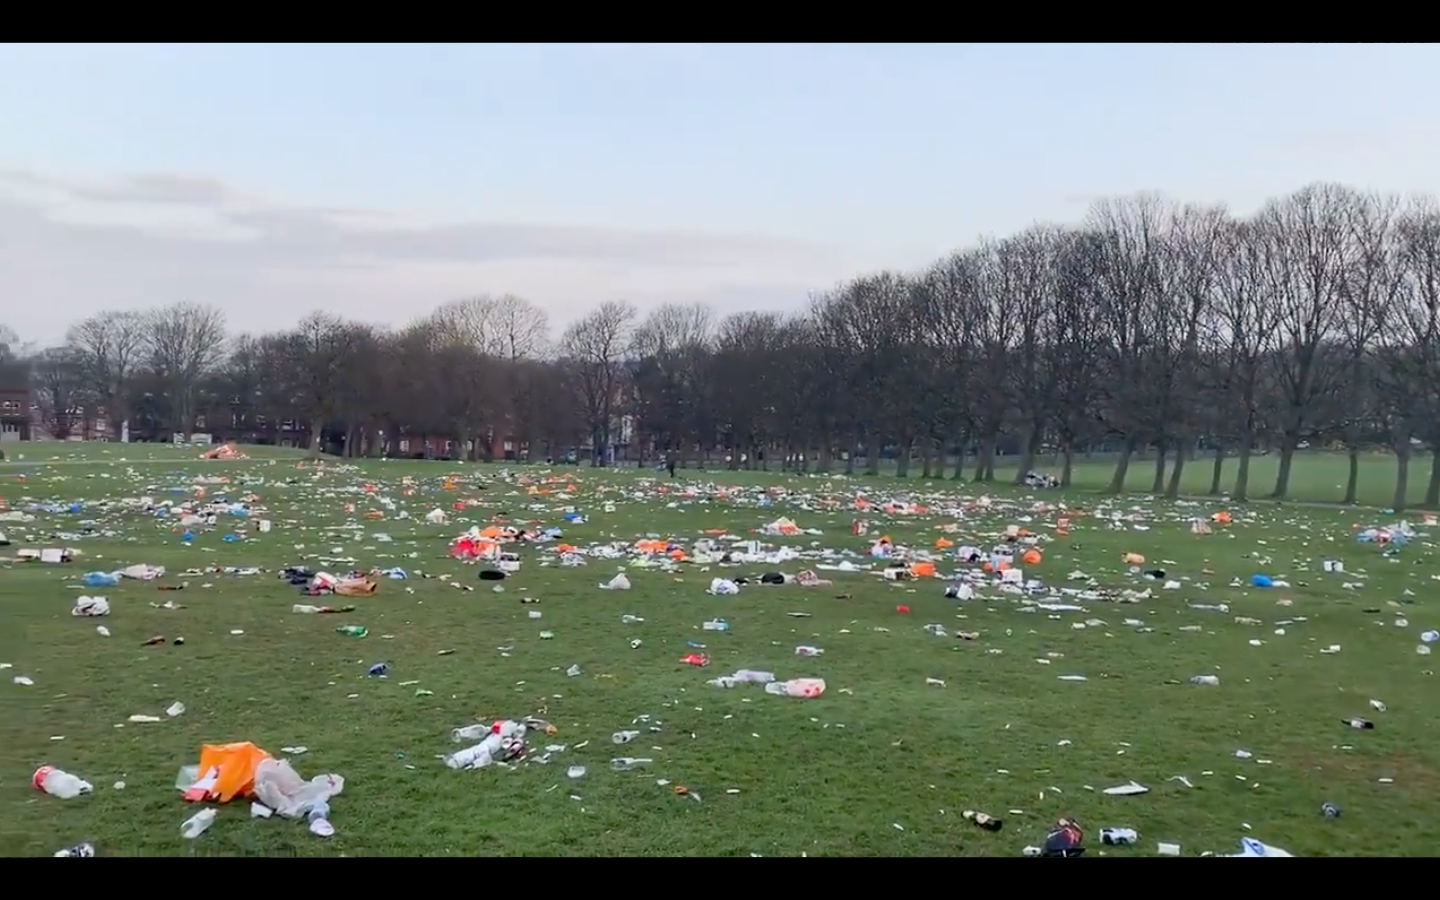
x: 196, y: 825
x: 470, y: 733
x: 59, y: 783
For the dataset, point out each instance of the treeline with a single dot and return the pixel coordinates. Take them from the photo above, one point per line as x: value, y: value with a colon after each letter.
x: 1152, y: 327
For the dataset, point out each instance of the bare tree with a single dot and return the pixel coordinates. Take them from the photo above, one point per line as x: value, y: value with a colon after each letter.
x: 316, y: 359
x: 111, y: 346
x: 1409, y: 349
x: 1367, y: 292
x: 1308, y: 260
x: 1241, y: 336
x: 1193, y: 263
x: 184, y: 343
x: 58, y: 379
x: 1131, y: 240
x: 594, y: 352
x: 669, y: 350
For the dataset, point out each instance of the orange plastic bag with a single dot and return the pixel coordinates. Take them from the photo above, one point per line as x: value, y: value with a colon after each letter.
x: 236, y: 765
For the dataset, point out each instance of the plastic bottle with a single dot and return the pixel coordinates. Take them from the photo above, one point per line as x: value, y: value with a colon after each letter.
x: 805, y: 650
x: 353, y: 630
x: 380, y: 669
x: 470, y: 733
x: 85, y: 849
x: 476, y: 757
x: 716, y: 625
x: 623, y: 737
x: 304, y: 608
x: 626, y: 763
x: 59, y: 783
x: 1118, y: 836
x: 1206, y: 680
x: 196, y: 825
x: 804, y: 688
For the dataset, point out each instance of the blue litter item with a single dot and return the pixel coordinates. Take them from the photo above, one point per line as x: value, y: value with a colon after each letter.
x: 1261, y: 581
x: 100, y: 579
x: 77, y: 507
x: 187, y: 536
x: 231, y: 538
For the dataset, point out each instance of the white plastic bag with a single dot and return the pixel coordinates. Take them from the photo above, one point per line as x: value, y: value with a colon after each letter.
x: 279, y: 787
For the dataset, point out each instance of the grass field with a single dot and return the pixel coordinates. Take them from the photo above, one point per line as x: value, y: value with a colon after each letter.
x: 882, y: 765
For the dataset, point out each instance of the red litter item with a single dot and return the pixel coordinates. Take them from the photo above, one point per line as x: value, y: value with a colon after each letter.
x: 695, y: 659
x: 38, y: 779
x: 902, y: 609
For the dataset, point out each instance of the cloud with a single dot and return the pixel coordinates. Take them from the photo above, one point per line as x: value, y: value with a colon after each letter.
x: 70, y: 248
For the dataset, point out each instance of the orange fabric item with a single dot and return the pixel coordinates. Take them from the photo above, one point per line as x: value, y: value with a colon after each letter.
x: 236, y: 764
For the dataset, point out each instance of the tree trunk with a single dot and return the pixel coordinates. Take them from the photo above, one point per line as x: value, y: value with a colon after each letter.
x: 1402, y: 476
x: 1352, y: 480
x: 903, y: 448
x: 1122, y: 467
x: 872, y: 454
x: 1242, y: 471
x: 1287, y: 462
x: 1217, y: 471
x: 1173, y: 490
x: 1067, y: 466
x: 1432, y: 489
x: 985, y: 464
x: 1161, y: 451
x: 1029, y: 451
x: 315, y: 440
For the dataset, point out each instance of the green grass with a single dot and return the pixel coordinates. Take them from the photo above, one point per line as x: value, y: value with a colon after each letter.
x: 882, y: 751
x: 1318, y: 477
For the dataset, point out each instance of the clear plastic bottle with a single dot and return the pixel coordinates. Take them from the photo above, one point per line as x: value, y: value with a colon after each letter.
x: 470, y: 733
x: 196, y: 825
x: 59, y: 783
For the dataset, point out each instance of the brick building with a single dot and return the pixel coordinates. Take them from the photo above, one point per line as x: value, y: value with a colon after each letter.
x: 15, y: 406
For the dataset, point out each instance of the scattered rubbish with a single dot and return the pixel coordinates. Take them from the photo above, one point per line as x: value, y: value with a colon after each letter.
x: 1252, y: 847
x: 197, y: 824
x: 1126, y: 790
x: 59, y: 783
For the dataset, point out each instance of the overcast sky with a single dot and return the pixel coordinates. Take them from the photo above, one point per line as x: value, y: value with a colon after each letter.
x: 380, y: 181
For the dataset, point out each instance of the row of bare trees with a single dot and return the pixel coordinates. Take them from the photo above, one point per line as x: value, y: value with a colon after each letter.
x: 1153, y: 328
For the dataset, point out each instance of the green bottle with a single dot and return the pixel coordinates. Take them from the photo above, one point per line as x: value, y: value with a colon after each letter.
x: 353, y: 630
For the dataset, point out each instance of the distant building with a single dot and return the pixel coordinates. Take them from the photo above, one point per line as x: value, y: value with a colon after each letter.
x: 15, y: 405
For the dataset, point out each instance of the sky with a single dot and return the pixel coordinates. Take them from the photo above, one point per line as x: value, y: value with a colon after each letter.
x: 378, y: 181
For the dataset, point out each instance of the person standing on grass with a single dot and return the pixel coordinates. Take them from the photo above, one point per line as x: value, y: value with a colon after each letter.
x: 670, y: 463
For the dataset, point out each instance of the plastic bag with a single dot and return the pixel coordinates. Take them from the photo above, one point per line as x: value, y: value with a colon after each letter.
x: 280, y: 787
